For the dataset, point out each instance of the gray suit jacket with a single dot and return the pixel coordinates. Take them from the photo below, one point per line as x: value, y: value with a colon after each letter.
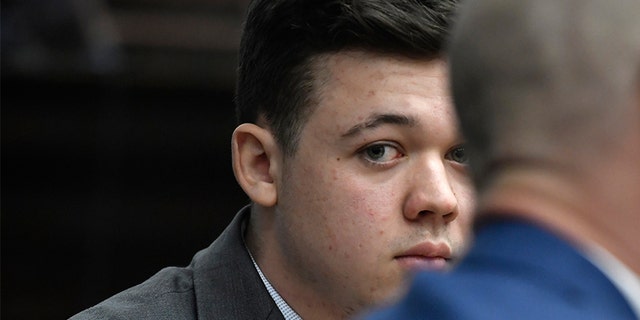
x: 220, y: 283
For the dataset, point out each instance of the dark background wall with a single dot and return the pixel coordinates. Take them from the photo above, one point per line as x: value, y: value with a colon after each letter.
x: 116, y: 122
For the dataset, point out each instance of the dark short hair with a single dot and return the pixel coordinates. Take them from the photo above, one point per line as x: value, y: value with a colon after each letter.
x: 281, y: 39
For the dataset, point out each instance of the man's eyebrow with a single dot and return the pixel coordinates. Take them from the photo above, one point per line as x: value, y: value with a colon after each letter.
x: 380, y: 119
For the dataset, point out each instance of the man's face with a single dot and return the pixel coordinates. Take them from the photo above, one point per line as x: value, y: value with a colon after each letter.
x: 378, y: 186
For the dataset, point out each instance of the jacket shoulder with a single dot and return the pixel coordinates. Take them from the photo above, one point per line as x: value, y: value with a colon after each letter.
x: 169, y: 294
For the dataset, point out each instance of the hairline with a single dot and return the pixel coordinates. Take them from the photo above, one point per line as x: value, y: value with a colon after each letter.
x: 316, y: 67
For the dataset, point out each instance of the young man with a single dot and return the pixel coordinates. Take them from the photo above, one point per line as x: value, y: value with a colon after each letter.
x: 549, y: 96
x: 350, y: 152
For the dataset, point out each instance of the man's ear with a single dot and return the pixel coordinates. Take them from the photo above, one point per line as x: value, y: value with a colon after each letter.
x: 255, y: 158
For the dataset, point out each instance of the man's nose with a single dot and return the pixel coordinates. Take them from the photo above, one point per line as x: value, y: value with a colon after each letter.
x: 431, y: 193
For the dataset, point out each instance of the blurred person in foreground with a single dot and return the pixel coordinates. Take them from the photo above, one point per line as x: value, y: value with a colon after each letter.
x: 548, y: 93
x: 349, y: 149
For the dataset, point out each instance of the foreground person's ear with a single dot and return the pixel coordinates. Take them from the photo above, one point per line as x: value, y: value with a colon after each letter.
x: 255, y: 155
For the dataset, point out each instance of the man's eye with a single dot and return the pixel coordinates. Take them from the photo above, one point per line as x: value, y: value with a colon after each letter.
x: 458, y: 154
x: 381, y: 153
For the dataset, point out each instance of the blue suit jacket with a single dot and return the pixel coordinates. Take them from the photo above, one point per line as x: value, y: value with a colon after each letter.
x: 515, y: 270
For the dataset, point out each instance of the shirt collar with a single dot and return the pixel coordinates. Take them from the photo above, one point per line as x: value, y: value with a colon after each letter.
x: 285, y: 309
x: 622, y: 277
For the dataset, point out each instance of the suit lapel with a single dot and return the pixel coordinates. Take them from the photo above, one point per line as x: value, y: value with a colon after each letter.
x: 226, y: 283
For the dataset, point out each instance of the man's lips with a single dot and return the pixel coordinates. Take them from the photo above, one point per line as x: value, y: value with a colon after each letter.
x: 426, y: 256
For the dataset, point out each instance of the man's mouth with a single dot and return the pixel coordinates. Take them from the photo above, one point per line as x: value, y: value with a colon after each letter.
x: 423, y: 263
x: 426, y: 256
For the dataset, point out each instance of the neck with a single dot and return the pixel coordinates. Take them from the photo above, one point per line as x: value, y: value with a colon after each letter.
x: 570, y: 207
x: 300, y: 293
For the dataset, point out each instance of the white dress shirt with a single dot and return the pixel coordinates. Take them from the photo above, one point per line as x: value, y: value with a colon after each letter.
x: 623, y: 278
